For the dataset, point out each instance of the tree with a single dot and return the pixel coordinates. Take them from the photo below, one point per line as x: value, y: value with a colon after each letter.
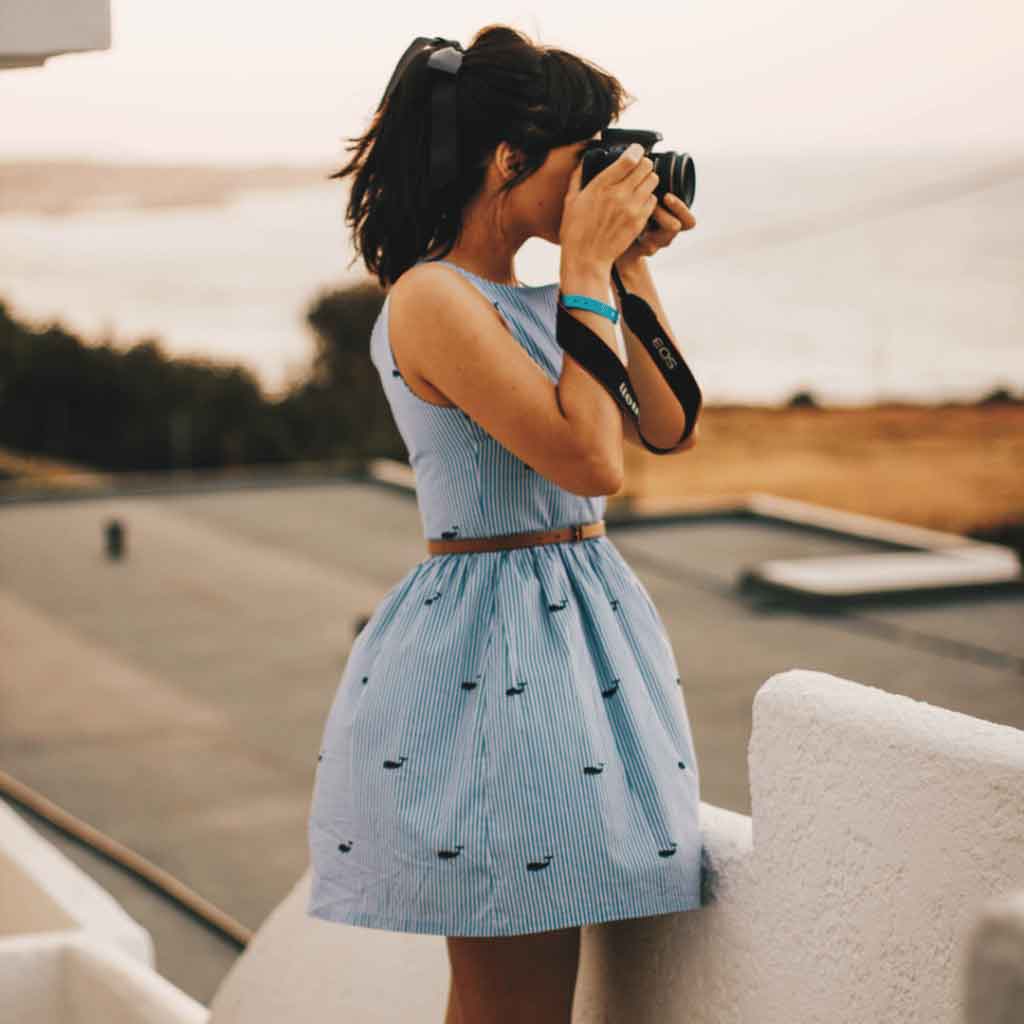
x: 344, y: 386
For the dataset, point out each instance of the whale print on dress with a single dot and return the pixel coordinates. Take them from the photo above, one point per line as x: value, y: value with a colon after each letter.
x: 379, y: 833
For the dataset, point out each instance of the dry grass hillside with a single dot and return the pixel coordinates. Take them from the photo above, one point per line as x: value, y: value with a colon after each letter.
x: 947, y: 467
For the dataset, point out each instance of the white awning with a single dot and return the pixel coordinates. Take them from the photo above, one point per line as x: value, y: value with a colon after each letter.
x: 32, y: 32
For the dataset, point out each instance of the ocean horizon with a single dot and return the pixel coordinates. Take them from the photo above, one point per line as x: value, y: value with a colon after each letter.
x: 860, y: 278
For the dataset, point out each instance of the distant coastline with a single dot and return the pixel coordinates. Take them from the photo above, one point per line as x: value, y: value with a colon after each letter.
x: 58, y: 188
x: 880, y: 181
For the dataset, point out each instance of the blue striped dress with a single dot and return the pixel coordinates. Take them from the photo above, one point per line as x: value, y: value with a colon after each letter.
x: 508, y: 749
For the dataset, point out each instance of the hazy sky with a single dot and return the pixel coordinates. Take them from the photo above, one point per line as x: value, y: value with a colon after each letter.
x: 233, y: 80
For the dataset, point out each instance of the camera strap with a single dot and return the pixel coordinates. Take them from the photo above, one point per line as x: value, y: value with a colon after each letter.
x: 594, y: 355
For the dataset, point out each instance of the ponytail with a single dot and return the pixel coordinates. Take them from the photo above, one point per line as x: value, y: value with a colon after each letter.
x: 508, y: 88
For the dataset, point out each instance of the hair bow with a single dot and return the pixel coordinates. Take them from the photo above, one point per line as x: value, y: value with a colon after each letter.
x: 443, y: 109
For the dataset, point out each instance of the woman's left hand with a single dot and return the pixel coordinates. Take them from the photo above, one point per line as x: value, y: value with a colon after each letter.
x: 673, y: 216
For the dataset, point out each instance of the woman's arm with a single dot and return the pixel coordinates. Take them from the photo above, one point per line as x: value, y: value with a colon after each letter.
x: 661, y: 417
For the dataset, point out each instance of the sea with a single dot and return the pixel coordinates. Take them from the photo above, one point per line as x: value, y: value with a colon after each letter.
x: 859, y: 277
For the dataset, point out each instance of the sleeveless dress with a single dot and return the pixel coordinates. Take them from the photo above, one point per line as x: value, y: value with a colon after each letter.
x: 508, y: 749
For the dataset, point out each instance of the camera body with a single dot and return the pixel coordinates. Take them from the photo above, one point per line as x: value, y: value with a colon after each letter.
x: 676, y: 172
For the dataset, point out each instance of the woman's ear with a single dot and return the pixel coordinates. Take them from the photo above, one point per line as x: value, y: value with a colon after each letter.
x: 509, y: 159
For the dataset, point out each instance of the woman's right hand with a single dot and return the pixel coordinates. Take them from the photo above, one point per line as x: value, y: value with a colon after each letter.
x: 600, y: 222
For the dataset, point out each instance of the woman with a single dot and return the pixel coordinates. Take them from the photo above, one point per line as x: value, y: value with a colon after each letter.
x: 508, y: 754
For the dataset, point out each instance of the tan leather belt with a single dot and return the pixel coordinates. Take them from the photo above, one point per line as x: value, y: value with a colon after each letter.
x: 579, y: 531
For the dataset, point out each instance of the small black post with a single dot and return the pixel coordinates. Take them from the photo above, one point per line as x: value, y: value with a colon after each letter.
x: 115, y: 539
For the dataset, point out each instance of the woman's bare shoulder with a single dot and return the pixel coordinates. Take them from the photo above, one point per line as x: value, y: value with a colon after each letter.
x: 434, y: 294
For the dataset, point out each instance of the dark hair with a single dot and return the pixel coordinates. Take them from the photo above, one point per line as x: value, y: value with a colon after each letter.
x: 535, y: 97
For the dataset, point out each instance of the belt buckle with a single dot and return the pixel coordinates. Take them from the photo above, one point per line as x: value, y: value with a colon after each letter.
x: 577, y: 531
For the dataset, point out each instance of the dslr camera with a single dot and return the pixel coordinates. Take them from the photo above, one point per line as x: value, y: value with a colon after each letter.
x: 675, y: 171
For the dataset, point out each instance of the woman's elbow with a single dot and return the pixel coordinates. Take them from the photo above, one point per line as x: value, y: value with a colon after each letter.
x: 606, y: 477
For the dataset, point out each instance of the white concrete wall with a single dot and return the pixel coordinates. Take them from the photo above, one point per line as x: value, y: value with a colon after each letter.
x: 41, y: 890
x: 70, y: 978
x: 880, y: 826
x: 32, y: 31
x: 69, y: 952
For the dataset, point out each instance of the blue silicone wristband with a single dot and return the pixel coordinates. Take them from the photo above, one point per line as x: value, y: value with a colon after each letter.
x: 573, y: 301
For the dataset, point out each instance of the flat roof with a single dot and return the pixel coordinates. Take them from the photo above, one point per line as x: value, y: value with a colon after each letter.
x: 176, y: 698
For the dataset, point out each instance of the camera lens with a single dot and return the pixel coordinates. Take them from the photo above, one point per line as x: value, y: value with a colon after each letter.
x: 676, y: 174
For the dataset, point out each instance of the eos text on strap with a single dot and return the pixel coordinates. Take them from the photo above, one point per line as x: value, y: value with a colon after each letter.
x: 591, y: 352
